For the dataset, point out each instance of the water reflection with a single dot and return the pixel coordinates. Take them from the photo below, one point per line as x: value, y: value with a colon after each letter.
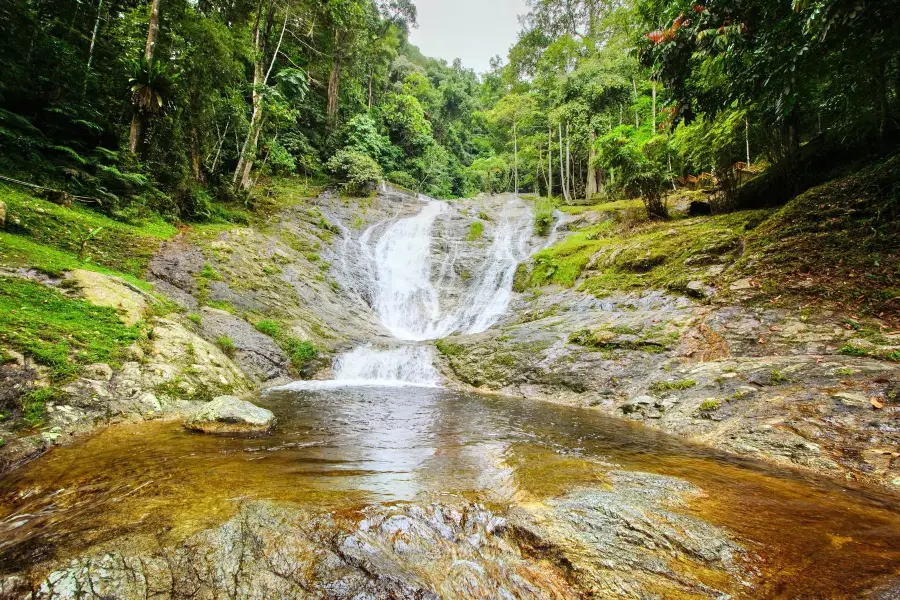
x: 339, y: 449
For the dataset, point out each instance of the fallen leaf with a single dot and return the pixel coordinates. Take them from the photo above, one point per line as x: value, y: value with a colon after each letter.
x: 876, y: 404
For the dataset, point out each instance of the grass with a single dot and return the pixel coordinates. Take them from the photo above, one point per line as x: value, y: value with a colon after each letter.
x: 34, y: 405
x: 113, y: 244
x: 631, y: 204
x: 670, y: 386
x: 476, y: 230
x: 854, y: 350
x: 269, y: 328
x: 59, y: 332
x: 226, y: 345
x: 710, y: 405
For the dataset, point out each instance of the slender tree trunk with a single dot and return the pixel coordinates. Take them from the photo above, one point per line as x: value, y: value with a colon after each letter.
x: 537, y: 173
x: 195, y: 155
x: 334, y: 81
x: 138, y: 121
x: 654, y: 107
x: 90, y: 59
x: 516, y: 155
x: 219, y: 151
x: 371, y: 80
x: 747, y: 138
x: 637, y: 121
x: 569, y: 186
x: 549, y: 161
x: 590, y: 187
x: 562, y: 168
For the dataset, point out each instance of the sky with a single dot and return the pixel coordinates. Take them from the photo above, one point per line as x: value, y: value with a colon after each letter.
x: 471, y: 30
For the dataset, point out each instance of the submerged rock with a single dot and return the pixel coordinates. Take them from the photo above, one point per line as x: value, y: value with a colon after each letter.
x: 230, y: 415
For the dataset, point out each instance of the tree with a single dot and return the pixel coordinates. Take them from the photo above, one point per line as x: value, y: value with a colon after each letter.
x: 145, y: 76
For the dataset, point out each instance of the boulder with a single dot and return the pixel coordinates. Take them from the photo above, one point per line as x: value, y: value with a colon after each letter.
x: 230, y: 415
x: 2, y: 213
x: 105, y: 290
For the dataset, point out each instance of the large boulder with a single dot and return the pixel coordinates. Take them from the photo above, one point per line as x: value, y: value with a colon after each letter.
x: 2, y: 213
x: 230, y: 415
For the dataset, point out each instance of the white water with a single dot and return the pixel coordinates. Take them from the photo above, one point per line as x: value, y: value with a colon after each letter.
x: 411, y: 301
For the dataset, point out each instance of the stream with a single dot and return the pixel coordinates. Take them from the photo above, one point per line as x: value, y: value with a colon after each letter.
x: 550, y: 501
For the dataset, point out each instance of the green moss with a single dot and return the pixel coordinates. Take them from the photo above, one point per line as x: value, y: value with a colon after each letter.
x: 21, y: 251
x: 854, y: 350
x: 226, y: 344
x: 196, y: 319
x: 476, y: 230
x: 209, y: 273
x: 484, y: 216
x: 778, y: 377
x: 606, y: 341
x: 710, y: 405
x: 114, y: 245
x: 668, y: 386
x: 34, y: 405
x: 449, y: 348
x: 660, y: 255
x: 59, y: 332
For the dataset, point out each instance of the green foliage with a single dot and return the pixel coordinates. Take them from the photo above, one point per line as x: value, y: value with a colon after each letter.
x: 59, y: 332
x: 544, y: 210
x: 269, y: 328
x: 710, y: 405
x: 301, y: 353
x: 354, y: 170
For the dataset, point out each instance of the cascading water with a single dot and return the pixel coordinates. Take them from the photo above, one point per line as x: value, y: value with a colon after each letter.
x: 412, y: 299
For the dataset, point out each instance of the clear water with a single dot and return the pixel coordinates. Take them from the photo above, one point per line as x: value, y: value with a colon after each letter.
x: 343, y: 448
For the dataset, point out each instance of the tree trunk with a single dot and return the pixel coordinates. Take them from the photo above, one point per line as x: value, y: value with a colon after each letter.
x: 590, y: 187
x: 654, y: 107
x: 562, y: 168
x: 747, y: 137
x: 195, y: 156
x: 549, y: 161
x: 371, y: 80
x: 516, y: 155
x: 94, y: 35
x: 136, y: 142
x: 537, y: 174
x: 334, y: 82
x: 570, y: 195
x: 637, y: 121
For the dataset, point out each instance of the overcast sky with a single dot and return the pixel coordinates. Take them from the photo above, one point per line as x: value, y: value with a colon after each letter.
x: 472, y: 30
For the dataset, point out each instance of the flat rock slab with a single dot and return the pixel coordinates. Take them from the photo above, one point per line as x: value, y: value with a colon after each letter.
x: 230, y: 415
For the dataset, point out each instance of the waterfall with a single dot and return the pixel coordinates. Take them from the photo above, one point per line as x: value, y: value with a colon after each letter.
x: 411, y: 293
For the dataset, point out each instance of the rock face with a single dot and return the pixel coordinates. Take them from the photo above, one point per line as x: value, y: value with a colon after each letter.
x: 230, y: 415
x: 625, y: 541
x: 767, y: 383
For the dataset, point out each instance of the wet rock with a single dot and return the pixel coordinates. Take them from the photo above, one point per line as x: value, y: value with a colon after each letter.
x: 257, y: 354
x: 638, y: 404
x: 230, y: 415
x: 628, y: 540
x: 851, y: 400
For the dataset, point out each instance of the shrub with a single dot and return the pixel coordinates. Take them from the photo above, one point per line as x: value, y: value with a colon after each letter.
x: 301, y: 353
x: 667, y: 386
x: 354, y: 170
x: 269, y: 328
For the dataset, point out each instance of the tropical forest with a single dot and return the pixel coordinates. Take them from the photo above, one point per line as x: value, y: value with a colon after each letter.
x: 420, y: 300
